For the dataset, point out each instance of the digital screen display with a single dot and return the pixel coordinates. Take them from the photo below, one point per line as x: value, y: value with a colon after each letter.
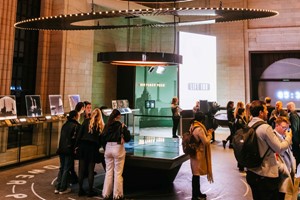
x: 284, y: 91
x: 198, y: 72
x: 149, y: 104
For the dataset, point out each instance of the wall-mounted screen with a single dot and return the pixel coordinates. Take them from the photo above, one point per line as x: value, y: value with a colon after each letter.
x: 8, y: 108
x: 73, y: 100
x: 280, y: 91
x: 197, y: 73
x: 56, y: 105
x: 33, y: 105
x: 149, y: 104
x: 281, y: 82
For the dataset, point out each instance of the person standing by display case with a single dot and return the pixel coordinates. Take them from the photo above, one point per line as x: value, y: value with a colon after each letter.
x: 175, y: 115
x: 89, y: 142
x: 115, y: 134
x: 66, y: 152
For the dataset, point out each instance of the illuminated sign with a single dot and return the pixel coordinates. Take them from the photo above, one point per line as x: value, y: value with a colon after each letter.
x: 152, y: 85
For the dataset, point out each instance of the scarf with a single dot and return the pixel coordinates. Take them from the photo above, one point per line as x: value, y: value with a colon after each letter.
x: 207, y: 153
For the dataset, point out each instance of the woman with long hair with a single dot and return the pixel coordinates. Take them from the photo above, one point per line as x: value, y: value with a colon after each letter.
x: 175, y: 116
x: 115, y: 134
x: 201, y: 162
x: 239, y: 105
x: 89, y: 142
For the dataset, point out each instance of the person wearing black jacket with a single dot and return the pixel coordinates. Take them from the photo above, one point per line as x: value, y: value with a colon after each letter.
x: 115, y: 134
x: 295, y: 126
x: 230, y: 117
x: 89, y: 142
x: 66, y: 152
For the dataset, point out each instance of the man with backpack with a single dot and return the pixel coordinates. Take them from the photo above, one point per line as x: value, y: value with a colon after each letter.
x: 264, y: 180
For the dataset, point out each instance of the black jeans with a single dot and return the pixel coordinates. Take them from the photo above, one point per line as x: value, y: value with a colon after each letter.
x: 176, y: 120
x: 263, y: 188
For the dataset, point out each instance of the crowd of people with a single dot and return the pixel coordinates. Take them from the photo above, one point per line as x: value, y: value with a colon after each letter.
x: 85, y: 132
x: 278, y: 142
x: 82, y: 135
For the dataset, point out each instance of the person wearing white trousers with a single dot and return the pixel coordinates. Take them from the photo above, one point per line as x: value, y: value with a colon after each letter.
x: 115, y: 135
x: 114, y: 159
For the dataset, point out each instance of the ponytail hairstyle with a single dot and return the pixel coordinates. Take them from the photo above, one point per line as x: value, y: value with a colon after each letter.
x: 111, y: 118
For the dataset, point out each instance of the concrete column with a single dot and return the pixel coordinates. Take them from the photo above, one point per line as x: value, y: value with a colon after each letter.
x: 7, y: 33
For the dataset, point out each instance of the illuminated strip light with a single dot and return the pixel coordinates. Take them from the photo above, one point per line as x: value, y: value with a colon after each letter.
x: 197, y: 23
x: 152, y: 84
x: 68, y: 21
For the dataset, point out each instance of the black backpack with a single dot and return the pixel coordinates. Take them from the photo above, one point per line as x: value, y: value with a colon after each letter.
x: 245, y: 146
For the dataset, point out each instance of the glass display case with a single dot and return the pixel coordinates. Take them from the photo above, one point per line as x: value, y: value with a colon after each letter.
x: 28, y: 138
x: 152, y: 161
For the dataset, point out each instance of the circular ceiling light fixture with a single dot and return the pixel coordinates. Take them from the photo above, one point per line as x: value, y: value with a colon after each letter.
x: 143, y: 59
x: 159, y: 1
x: 186, y: 17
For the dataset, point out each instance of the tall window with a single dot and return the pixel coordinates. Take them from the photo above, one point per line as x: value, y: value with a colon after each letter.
x: 25, y: 55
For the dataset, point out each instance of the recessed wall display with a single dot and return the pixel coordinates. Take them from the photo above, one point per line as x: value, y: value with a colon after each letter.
x: 73, y: 100
x: 121, y: 105
x: 56, y: 105
x: 8, y: 109
x: 33, y: 105
x: 149, y: 104
x: 280, y: 81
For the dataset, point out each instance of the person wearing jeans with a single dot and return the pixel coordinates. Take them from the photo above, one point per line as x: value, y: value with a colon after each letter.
x: 66, y: 153
x: 63, y: 174
x: 115, y: 134
x: 115, y: 159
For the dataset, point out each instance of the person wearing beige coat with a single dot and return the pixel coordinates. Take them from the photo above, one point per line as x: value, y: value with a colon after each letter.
x: 201, y: 161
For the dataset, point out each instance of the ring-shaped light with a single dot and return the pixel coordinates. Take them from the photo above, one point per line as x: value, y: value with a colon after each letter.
x: 209, y: 15
x: 142, y: 59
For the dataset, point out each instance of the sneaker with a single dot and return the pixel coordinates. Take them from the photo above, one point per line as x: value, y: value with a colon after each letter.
x: 56, y: 191
x: 68, y: 190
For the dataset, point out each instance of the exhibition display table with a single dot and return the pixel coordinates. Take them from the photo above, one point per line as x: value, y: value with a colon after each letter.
x: 152, y: 161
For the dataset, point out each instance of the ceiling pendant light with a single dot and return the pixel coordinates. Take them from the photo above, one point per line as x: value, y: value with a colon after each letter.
x: 143, y: 59
x: 184, y: 17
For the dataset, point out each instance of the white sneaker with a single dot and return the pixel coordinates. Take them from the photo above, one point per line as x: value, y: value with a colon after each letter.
x: 56, y: 191
x: 68, y: 190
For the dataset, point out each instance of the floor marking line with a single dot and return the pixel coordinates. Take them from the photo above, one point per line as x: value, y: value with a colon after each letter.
x: 13, y: 189
x: 52, y: 183
x: 247, y: 187
x: 32, y: 189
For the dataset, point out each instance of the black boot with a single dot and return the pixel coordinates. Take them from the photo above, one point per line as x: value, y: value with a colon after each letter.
x: 196, y: 188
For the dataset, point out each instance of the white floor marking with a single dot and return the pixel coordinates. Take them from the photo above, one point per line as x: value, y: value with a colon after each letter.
x: 219, y: 197
x: 52, y: 183
x: 32, y: 189
x: 13, y: 189
x: 247, y: 187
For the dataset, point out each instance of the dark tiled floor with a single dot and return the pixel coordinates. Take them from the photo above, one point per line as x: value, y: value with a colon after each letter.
x: 36, y: 181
